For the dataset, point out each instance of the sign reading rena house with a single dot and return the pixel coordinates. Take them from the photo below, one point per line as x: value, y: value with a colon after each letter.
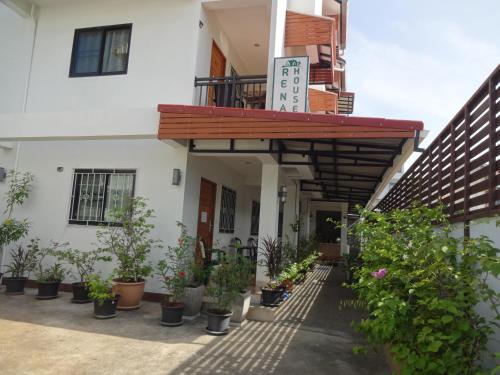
x: 291, y: 79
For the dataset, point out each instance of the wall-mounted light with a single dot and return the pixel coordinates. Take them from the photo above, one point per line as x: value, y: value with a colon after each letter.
x: 3, y: 174
x: 60, y: 169
x: 282, y: 193
x: 176, y: 176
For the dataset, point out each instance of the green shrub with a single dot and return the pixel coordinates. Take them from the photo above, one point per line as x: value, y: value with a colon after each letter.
x: 421, y: 287
x: 225, y: 283
x: 83, y: 261
x: 100, y: 290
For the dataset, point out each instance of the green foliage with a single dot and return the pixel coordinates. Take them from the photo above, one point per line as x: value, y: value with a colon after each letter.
x: 174, y: 267
x: 197, y: 274
x: 129, y: 240
x: 54, y: 272
x: 306, y: 247
x: 100, y: 289
x: 12, y: 230
x: 83, y: 261
x: 421, y: 287
x: 244, y: 270
x: 272, y: 256
x: 19, y: 189
x: 226, y: 283
x: 23, y: 260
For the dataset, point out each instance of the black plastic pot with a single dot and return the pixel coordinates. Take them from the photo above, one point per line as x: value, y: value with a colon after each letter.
x: 47, y: 289
x: 14, y: 285
x: 106, y: 309
x: 218, y: 322
x: 171, y: 314
x: 271, y: 297
x: 80, y: 293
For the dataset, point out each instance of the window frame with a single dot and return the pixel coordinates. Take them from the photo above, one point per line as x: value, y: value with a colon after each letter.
x: 74, y: 197
x: 255, y: 218
x: 99, y: 72
x: 223, y: 208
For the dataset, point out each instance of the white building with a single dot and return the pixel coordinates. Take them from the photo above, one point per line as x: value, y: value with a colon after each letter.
x: 101, y: 99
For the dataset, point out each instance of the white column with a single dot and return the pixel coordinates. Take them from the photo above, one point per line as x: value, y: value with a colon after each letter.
x: 343, y: 232
x: 276, y: 42
x: 269, y: 214
x: 290, y: 214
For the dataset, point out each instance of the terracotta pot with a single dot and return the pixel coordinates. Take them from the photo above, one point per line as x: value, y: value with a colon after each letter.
x: 130, y: 294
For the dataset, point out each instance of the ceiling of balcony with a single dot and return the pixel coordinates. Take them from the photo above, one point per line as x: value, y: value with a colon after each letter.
x: 247, y: 28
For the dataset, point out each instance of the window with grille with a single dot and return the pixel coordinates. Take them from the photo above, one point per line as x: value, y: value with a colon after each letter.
x: 254, y: 224
x: 97, y: 192
x: 227, y: 210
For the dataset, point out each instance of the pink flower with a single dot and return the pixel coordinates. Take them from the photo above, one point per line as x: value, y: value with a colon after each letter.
x: 380, y: 274
x: 182, y: 274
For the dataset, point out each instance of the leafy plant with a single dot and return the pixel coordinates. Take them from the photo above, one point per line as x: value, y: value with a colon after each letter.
x: 23, y: 260
x: 175, y: 265
x: 306, y: 247
x: 83, y: 261
x: 55, y: 272
x: 100, y: 289
x: 197, y: 274
x: 225, y: 284
x: 244, y: 270
x: 421, y: 287
x: 129, y: 240
x: 12, y: 230
x: 272, y: 256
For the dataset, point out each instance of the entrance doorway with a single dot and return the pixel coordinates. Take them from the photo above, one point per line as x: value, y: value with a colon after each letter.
x: 217, y: 69
x: 206, y: 219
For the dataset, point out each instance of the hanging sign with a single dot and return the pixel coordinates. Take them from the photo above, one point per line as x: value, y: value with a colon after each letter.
x: 291, y: 80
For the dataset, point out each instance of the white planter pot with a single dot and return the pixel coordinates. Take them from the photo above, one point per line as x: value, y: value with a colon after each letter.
x: 193, y: 299
x: 241, y: 306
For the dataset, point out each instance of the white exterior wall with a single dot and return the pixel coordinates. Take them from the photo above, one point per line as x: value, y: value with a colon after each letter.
x: 49, y: 204
x: 16, y: 40
x: 161, y: 62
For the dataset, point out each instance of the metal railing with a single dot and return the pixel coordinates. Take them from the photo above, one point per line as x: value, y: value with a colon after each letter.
x: 233, y: 92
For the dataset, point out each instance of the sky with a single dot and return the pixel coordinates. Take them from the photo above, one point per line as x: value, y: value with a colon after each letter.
x: 419, y: 60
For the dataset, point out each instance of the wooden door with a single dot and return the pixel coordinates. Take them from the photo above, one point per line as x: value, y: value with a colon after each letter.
x: 217, y: 69
x: 206, y: 218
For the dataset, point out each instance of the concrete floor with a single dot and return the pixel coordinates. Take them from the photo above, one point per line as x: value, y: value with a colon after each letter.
x: 310, y: 336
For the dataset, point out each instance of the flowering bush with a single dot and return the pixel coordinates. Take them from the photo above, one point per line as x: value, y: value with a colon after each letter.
x: 421, y: 287
x: 174, y: 268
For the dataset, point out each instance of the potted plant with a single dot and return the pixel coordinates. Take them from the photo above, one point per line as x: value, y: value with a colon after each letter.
x: 84, y: 262
x: 224, y: 287
x: 194, y: 290
x: 128, y: 240
x: 241, y: 303
x: 101, y: 292
x: 12, y: 230
x: 48, y: 278
x: 23, y: 261
x: 173, y: 271
x: 272, y: 292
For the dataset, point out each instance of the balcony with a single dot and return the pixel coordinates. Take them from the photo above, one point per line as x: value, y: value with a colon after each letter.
x: 234, y: 92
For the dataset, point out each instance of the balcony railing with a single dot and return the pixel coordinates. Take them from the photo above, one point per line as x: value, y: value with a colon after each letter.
x: 235, y: 92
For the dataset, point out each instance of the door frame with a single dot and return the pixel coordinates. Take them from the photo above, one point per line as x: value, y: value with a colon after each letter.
x: 208, y: 256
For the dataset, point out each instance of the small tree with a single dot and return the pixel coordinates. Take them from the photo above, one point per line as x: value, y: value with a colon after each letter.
x: 128, y: 240
x: 174, y: 267
x: 55, y: 272
x: 83, y: 261
x: 421, y: 287
x: 12, y: 230
x: 225, y: 284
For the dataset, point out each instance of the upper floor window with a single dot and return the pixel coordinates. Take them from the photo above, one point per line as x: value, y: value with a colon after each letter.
x: 100, y: 51
x: 97, y: 192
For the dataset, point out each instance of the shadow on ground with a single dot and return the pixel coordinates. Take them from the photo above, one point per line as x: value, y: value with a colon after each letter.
x: 310, y: 336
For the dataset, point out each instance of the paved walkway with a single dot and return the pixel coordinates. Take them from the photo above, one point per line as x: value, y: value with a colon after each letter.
x: 310, y: 336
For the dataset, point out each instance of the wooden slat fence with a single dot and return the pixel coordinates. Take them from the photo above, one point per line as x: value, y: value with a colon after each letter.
x: 461, y: 167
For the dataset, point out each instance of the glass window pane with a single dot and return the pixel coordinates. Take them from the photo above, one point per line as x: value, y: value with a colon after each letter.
x: 88, y: 51
x: 120, y: 188
x: 115, y: 51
